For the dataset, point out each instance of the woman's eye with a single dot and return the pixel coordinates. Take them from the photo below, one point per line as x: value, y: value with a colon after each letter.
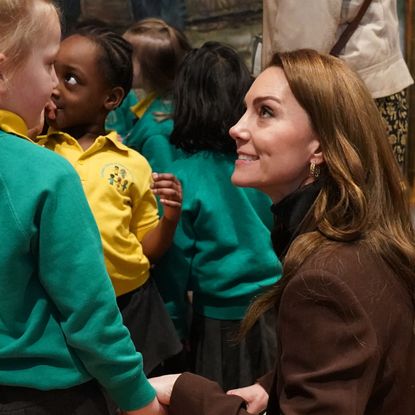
x: 71, y: 80
x: 265, y: 112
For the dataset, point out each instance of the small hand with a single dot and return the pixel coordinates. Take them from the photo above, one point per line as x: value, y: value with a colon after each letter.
x: 164, y: 387
x: 50, y: 110
x: 153, y: 408
x: 37, y: 129
x: 255, y: 396
x: 169, y: 190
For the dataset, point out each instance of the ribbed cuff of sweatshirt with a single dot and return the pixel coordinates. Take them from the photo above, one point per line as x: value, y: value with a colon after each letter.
x: 135, y: 394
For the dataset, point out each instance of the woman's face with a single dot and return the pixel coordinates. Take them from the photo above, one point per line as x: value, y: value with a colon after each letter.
x: 274, y: 138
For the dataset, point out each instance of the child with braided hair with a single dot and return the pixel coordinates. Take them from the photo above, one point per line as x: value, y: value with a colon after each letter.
x: 94, y: 71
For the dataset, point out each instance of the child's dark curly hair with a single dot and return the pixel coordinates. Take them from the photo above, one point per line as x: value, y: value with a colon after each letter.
x: 208, y: 98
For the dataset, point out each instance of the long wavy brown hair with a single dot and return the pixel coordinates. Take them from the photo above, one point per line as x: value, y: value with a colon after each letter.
x: 364, y: 195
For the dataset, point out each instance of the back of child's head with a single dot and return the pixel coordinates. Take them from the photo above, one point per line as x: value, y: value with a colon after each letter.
x: 208, y: 98
x: 158, y: 49
x: 115, y: 56
x: 23, y: 25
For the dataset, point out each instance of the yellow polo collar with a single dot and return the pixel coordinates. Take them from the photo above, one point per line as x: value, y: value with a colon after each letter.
x: 112, y: 136
x: 13, y: 123
x: 142, y: 106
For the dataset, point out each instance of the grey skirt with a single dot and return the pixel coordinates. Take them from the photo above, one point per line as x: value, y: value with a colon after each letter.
x: 217, y: 355
x: 151, y: 329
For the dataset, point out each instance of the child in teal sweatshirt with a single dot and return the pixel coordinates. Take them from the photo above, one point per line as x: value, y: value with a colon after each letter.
x: 222, y: 249
x: 61, y: 331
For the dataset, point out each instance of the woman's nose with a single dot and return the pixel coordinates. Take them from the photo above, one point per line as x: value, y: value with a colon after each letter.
x: 240, y: 130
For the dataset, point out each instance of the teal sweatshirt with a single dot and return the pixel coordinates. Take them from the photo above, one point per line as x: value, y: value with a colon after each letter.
x: 59, y: 322
x: 150, y: 136
x: 222, y: 247
x: 122, y: 119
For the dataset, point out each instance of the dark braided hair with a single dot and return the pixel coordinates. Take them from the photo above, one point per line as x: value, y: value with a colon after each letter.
x: 116, y: 53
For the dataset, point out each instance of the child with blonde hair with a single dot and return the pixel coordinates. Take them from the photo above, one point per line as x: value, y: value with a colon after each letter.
x: 61, y: 332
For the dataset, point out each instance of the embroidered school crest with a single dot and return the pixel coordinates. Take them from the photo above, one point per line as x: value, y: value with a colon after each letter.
x: 117, y: 176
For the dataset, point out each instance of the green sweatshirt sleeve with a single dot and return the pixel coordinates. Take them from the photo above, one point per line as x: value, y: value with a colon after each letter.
x: 72, y: 271
x: 173, y: 272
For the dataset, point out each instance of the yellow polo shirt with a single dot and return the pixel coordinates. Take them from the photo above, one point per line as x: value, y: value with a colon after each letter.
x: 116, y: 181
x: 13, y: 123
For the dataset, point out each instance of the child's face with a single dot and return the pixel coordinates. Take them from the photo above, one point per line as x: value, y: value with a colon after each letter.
x: 30, y: 87
x: 82, y: 90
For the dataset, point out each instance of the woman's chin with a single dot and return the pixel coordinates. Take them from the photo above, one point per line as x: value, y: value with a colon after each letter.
x: 241, y: 180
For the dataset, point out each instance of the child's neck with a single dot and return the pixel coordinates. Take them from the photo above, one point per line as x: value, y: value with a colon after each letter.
x: 86, y: 135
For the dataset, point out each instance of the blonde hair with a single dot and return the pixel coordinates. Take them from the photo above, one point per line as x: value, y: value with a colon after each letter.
x: 159, y: 49
x: 364, y: 196
x: 23, y: 23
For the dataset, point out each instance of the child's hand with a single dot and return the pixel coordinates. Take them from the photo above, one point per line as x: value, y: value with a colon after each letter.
x: 164, y: 387
x: 50, y: 110
x: 153, y: 408
x: 156, y: 241
x: 36, y: 130
x: 169, y: 189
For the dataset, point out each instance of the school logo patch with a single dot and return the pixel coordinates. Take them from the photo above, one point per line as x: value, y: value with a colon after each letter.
x: 117, y: 176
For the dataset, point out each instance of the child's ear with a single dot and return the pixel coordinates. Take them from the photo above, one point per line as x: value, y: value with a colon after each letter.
x: 2, y: 76
x: 114, y: 98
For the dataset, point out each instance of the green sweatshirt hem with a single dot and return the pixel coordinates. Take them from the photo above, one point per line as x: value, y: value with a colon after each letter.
x: 221, y: 313
x: 132, y: 394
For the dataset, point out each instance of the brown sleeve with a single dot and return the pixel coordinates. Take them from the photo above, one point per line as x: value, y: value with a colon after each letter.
x: 329, y: 350
x: 195, y: 395
x: 266, y: 380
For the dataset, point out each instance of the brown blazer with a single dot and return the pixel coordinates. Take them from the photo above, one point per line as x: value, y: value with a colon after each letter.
x: 347, y: 344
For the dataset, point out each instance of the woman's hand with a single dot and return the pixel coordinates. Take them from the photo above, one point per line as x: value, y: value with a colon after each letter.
x: 255, y: 396
x: 164, y: 386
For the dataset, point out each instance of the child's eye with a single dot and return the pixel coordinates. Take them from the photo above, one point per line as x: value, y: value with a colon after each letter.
x: 71, y: 80
x: 265, y: 112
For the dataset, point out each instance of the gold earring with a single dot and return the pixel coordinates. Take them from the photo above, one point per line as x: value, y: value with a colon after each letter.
x: 314, y: 170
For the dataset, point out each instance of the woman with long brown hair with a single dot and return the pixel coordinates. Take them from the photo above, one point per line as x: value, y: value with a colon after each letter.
x: 312, y: 139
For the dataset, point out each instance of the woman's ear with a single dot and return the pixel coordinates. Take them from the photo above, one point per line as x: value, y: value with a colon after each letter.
x: 318, y: 156
x: 114, y: 98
